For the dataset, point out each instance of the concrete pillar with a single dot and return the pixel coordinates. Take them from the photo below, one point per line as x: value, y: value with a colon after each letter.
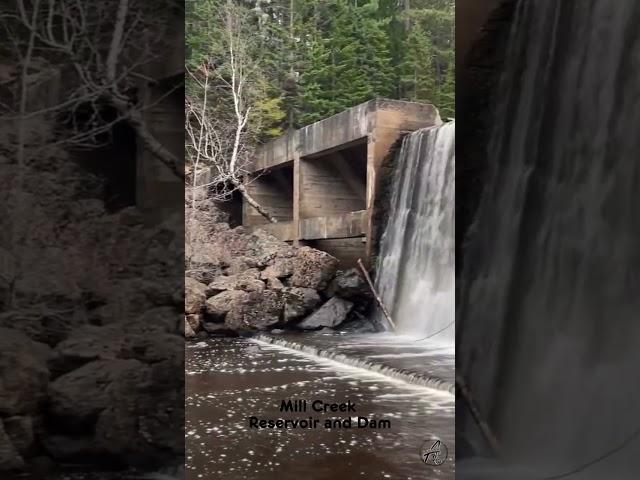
x: 296, y: 198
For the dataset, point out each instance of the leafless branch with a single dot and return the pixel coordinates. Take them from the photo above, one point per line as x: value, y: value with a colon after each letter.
x: 219, y: 146
x: 107, y: 45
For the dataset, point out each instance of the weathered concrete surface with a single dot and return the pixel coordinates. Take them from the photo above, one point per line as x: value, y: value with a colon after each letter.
x: 282, y: 230
x: 347, y: 250
x: 334, y: 165
x: 346, y: 225
x: 273, y: 188
x: 158, y: 190
x: 338, y: 131
x: 333, y: 184
x: 276, y: 152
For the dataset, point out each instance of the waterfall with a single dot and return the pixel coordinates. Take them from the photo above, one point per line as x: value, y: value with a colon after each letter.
x: 416, y: 262
x: 548, y: 314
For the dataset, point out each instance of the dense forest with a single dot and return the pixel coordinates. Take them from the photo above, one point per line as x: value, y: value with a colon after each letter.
x: 298, y: 61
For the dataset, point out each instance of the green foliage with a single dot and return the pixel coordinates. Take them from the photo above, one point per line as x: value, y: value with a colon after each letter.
x: 318, y: 57
x: 207, y: 43
x: 348, y: 62
x: 270, y: 115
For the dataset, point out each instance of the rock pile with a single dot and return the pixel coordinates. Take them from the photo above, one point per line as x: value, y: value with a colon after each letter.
x: 97, y: 374
x: 244, y: 282
x: 91, y: 299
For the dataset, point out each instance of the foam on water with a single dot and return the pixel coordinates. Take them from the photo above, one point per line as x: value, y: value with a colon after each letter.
x: 341, y: 360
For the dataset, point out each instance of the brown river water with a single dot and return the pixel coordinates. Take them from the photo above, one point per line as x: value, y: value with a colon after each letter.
x: 230, y: 380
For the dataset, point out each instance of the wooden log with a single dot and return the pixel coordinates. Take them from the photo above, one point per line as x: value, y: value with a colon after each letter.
x: 385, y: 312
x: 477, y: 417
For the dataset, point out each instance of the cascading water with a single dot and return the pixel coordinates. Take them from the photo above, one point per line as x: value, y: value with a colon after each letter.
x: 548, y: 315
x: 416, y: 263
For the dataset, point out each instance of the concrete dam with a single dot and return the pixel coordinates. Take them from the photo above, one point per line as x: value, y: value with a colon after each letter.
x: 320, y: 182
x: 380, y: 173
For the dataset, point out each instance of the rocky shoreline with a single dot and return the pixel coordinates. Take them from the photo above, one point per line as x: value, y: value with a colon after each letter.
x: 244, y: 282
x: 94, y: 375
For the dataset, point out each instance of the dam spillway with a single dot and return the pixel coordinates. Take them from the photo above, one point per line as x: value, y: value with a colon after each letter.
x: 321, y: 182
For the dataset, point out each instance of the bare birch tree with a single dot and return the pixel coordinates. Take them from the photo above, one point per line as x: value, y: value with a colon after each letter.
x: 73, y: 60
x: 220, y: 112
x: 107, y: 46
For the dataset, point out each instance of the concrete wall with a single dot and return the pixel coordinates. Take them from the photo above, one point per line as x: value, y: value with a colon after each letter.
x: 346, y: 225
x: 158, y: 191
x: 333, y: 184
x: 335, y: 166
x: 347, y: 250
x: 273, y: 188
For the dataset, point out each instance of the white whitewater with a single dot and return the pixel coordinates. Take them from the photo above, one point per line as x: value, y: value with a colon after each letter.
x: 416, y: 263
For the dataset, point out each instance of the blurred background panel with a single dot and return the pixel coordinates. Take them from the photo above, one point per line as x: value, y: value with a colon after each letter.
x: 91, y: 238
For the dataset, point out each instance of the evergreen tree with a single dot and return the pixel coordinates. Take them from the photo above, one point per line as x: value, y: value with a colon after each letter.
x: 349, y: 61
x: 319, y: 57
x: 417, y: 81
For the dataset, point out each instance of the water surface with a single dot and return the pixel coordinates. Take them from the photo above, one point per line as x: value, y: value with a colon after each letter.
x: 229, y: 380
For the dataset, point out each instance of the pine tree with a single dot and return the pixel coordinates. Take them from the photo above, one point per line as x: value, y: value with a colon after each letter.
x: 317, y: 58
x: 350, y: 61
x: 417, y: 81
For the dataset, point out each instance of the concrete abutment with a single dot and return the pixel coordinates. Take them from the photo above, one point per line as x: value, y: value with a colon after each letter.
x: 320, y: 182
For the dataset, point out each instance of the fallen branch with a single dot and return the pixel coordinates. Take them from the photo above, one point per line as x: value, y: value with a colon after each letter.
x: 375, y: 294
x: 251, y: 201
x: 475, y: 413
x: 153, y: 145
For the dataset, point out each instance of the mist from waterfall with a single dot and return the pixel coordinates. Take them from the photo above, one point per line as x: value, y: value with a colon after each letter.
x: 548, y: 316
x: 416, y: 261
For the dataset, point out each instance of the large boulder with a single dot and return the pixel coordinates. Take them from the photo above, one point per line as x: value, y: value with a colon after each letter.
x: 217, y: 328
x: 237, y: 265
x: 331, y: 314
x: 194, y: 296
x: 348, y: 284
x: 298, y: 302
x: 80, y: 396
x: 194, y: 321
x: 24, y: 374
x: 248, y: 280
x: 130, y: 216
x: 50, y: 327
x: 218, y: 306
x: 188, y: 331
x: 162, y: 319
x: 278, y: 268
x: 204, y: 272
x: 313, y: 269
x: 203, y: 264
x: 267, y: 247
x: 274, y: 283
x: 121, y: 408
x: 236, y: 249
x: 126, y: 341
x: 145, y: 294
x: 110, y: 405
x: 255, y: 311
